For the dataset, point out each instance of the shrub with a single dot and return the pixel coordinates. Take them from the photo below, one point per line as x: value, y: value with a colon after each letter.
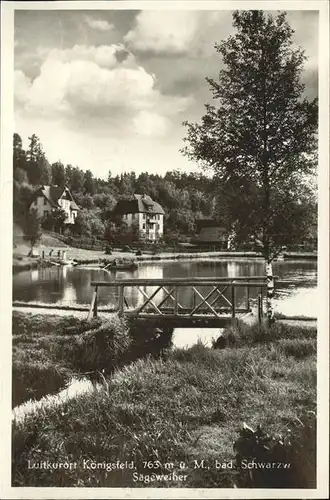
x: 100, y: 349
x: 291, y: 458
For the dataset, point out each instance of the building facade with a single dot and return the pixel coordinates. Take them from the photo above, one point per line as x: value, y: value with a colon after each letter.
x: 210, y: 231
x: 49, y: 198
x: 144, y: 213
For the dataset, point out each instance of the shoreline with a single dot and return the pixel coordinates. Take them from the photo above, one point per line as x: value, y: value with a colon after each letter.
x: 40, y: 308
x: 26, y: 263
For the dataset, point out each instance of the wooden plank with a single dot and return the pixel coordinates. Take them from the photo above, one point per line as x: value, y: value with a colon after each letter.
x: 221, y: 295
x: 95, y: 303
x: 248, y: 298
x: 184, y: 321
x: 204, y: 301
x: 162, y: 283
x: 196, y: 279
x: 176, y: 307
x: 187, y: 310
x: 121, y: 301
x: 149, y: 300
x: 91, y: 308
x: 259, y: 308
x: 169, y: 294
x: 233, y: 301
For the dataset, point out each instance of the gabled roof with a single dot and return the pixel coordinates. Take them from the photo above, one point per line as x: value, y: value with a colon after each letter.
x: 203, y: 223
x: 74, y: 206
x: 54, y: 193
x: 138, y: 204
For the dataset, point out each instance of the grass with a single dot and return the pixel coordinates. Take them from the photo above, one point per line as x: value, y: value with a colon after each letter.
x: 48, y: 350
x: 172, y: 410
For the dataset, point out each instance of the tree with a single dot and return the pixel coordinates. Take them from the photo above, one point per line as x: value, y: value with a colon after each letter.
x: 18, y: 153
x: 54, y: 221
x: 38, y: 168
x: 32, y: 228
x: 77, y: 179
x: 58, y: 174
x: 259, y: 138
x: 89, y: 182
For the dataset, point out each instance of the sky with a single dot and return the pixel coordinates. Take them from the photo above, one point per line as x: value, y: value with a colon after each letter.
x: 109, y: 89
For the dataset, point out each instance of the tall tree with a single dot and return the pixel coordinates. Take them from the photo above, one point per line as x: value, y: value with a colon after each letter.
x: 89, y: 182
x: 58, y: 174
x: 77, y: 179
x: 260, y: 136
x: 32, y: 229
x: 38, y: 168
x: 19, y: 162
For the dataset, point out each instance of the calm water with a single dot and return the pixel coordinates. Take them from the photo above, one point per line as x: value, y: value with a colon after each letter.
x: 71, y: 285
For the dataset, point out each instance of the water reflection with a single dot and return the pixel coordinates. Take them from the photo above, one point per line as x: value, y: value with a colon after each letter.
x: 71, y: 285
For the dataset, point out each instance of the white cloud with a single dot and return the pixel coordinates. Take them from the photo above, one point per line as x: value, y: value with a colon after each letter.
x: 89, y: 85
x: 22, y: 87
x: 98, y: 24
x: 148, y: 123
x: 102, y: 55
x: 177, y: 32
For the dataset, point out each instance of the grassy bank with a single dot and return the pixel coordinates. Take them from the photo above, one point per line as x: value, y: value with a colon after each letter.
x: 49, y: 349
x: 163, y: 413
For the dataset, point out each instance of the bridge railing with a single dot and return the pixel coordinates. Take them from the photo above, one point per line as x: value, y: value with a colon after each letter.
x: 157, y: 292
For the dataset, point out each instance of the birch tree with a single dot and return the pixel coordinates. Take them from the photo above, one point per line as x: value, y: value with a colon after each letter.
x: 259, y: 135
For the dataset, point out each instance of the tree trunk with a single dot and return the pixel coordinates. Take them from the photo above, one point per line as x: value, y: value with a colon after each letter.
x: 270, y: 293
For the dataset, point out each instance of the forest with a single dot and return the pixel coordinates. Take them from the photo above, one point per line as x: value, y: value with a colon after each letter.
x: 185, y: 197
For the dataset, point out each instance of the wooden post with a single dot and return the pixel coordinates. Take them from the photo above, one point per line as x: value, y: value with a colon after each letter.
x: 176, y: 300
x: 259, y: 308
x: 194, y: 299
x: 121, y: 300
x: 233, y: 300
x: 95, y: 304
x: 248, y: 298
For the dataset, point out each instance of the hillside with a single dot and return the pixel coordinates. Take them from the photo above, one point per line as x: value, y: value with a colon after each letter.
x: 22, y: 247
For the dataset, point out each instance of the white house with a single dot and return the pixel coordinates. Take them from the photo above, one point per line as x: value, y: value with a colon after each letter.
x: 146, y: 214
x: 49, y: 198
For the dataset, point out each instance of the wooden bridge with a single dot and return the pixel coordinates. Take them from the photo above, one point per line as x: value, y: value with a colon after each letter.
x: 213, y: 307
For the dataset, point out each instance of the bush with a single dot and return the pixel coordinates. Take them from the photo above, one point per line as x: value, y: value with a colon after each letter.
x: 291, y: 458
x: 108, y: 250
x: 100, y: 349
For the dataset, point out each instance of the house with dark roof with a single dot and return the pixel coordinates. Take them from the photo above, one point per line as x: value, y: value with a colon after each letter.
x: 49, y: 198
x: 143, y: 212
x: 211, y: 231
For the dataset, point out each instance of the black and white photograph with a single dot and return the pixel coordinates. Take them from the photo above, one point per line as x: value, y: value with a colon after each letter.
x: 164, y: 218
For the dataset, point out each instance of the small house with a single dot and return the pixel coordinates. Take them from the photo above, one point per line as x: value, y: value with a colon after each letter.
x: 211, y: 231
x: 49, y: 198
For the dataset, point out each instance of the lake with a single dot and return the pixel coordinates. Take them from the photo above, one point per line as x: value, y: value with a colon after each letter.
x: 71, y: 285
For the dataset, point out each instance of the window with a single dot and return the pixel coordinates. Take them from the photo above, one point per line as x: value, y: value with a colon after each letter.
x: 45, y: 213
x: 143, y: 226
x: 45, y: 201
x: 144, y: 216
